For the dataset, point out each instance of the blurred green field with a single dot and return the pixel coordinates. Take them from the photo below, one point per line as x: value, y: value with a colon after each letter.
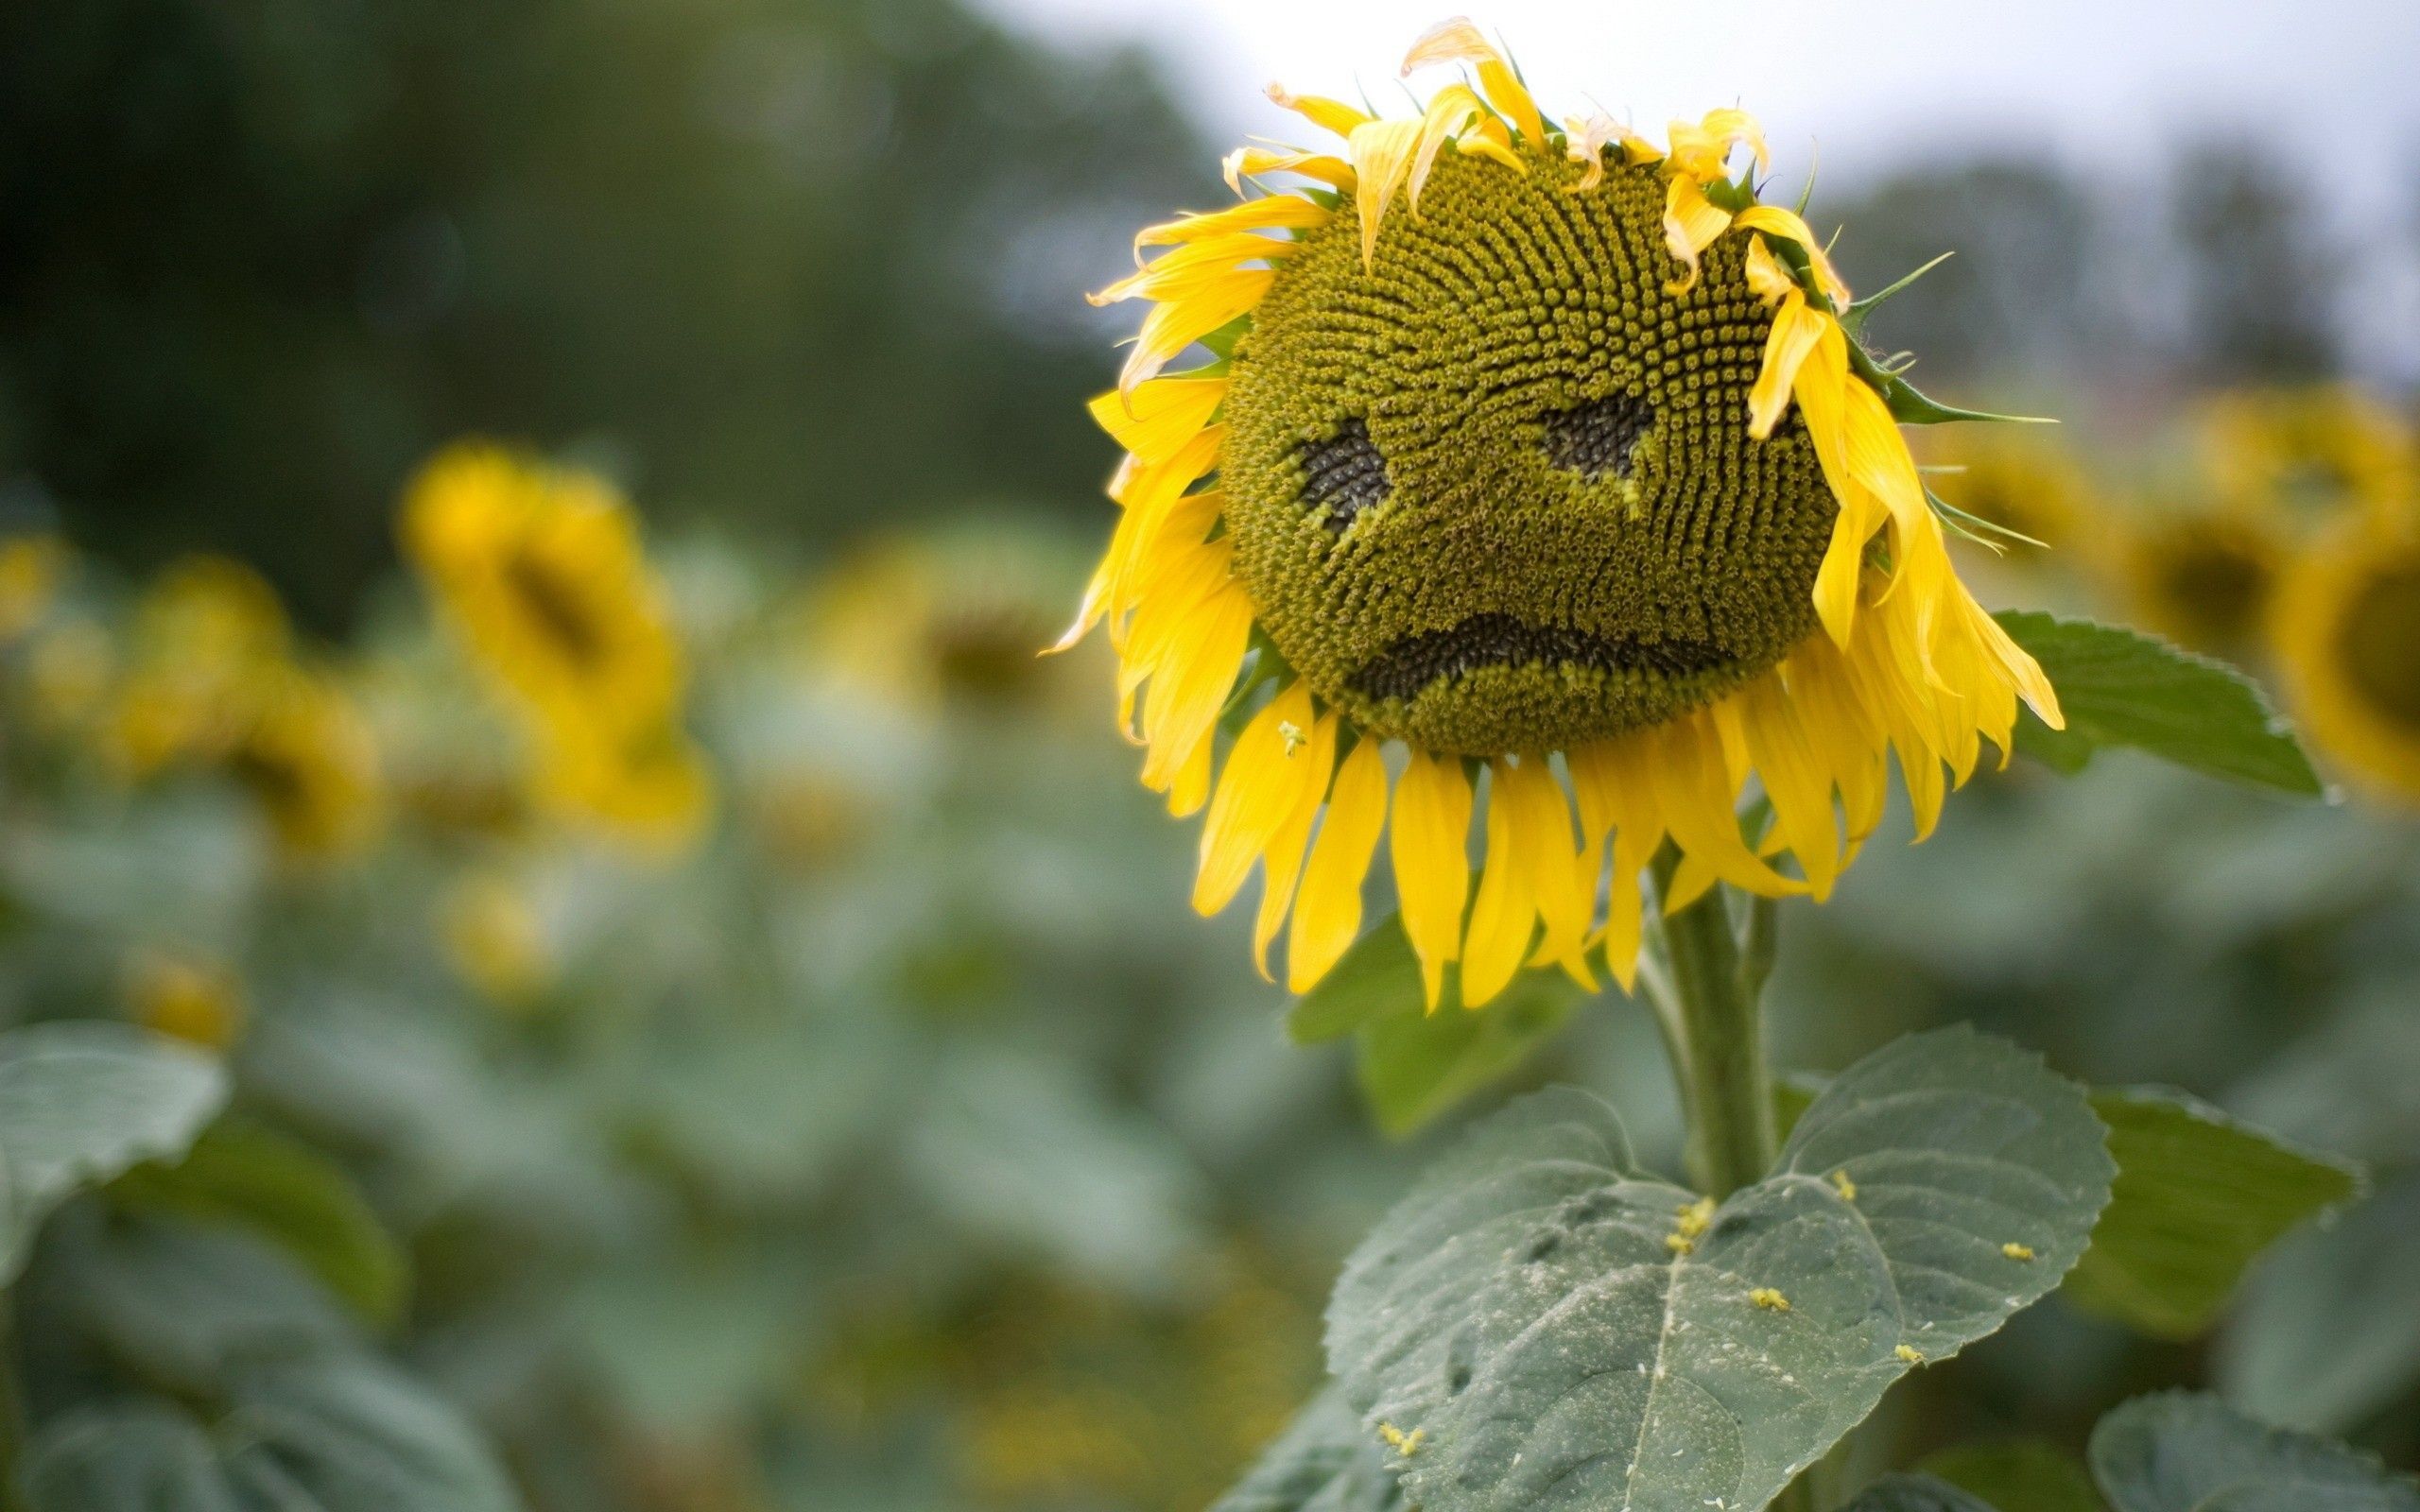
x: 813, y: 1090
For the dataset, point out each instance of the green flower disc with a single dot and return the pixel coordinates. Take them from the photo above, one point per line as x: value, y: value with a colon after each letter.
x: 1497, y: 494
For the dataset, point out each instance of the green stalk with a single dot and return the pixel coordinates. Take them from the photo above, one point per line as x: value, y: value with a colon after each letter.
x: 1717, y: 1036
x: 1706, y: 976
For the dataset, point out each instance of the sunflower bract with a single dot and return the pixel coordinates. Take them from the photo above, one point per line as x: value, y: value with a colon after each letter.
x: 1541, y: 455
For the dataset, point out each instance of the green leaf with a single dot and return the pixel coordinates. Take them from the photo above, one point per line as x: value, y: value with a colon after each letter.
x: 2021, y: 1475
x: 82, y: 1102
x: 242, y: 1174
x: 184, y: 1304
x: 1378, y: 978
x: 340, y: 1434
x: 2118, y: 688
x: 1527, y: 1311
x: 1324, y: 1461
x: 2329, y: 1329
x: 2180, y: 1451
x: 2198, y: 1195
x: 1915, y: 1493
x: 1415, y: 1065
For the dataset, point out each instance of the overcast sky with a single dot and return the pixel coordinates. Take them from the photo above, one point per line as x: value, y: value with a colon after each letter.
x: 2333, y: 82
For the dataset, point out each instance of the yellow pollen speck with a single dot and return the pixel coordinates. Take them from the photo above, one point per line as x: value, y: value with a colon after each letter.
x: 1771, y: 1300
x: 1696, y: 1217
x: 1912, y: 1356
x: 1293, y: 735
x: 1846, y: 1187
x: 1680, y: 1244
x: 2016, y: 1251
x: 1401, y: 1443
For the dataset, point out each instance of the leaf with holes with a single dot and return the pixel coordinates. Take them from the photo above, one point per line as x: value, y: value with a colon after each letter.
x: 1546, y: 1317
x: 80, y: 1103
x: 1324, y: 1461
x: 2118, y: 688
x: 2183, y: 1453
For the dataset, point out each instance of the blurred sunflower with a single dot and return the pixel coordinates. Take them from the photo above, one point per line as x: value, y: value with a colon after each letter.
x: 2023, y: 484
x: 212, y: 680
x: 185, y: 997
x: 2202, y: 578
x: 31, y: 570
x: 2308, y: 451
x: 494, y: 940
x: 1534, y: 449
x: 2345, y: 627
x: 540, y: 573
x: 923, y: 621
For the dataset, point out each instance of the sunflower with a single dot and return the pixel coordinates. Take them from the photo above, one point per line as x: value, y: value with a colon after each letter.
x: 2308, y: 452
x: 2019, y: 486
x: 2201, y: 577
x: 306, y: 755
x: 540, y: 573
x: 2345, y: 630
x: 31, y: 570
x: 495, y: 940
x: 189, y: 998
x: 1549, y: 457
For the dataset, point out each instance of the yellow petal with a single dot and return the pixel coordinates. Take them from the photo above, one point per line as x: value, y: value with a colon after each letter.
x: 1328, y: 114
x: 1696, y: 795
x: 1795, y: 333
x: 1328, y: 916
x: 1506, y: 912
x: 1458, y: 40
x: 1193, y: 683
x: 1453, y: 109
x: 1160, y: 416
x: 1194, y: 268
x: 1282, y: 861
x: 1782, y: 222
x: 1269, y: 213
x: 1245, y: 162
x: 1563, y: 877
x: 1430, y: 840
x: 1173, y: 326
x: 1255, y: 794
x: 1691, y: 222
x: 1382, y: 152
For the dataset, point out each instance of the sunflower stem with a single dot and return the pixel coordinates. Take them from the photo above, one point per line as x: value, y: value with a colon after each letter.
x: 1717, y: 1034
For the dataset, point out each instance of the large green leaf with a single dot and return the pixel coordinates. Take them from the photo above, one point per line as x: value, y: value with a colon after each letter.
x: 1378, y: 978
x: 2019, y: 1475
x: 342, y: 1435
x: 2198, y: 1195
x: 249, y: 1175
x: 1916, y: 1493
x: 2180, y: 1451
x: 2329, y: 1328
x: 184, y: 1304
x: 2118, y: 688
x: 1324, y: 1461
x: 82, y: 1102
x: 1538, y: 1312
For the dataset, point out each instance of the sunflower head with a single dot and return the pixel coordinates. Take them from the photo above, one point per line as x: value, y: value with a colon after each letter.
x: 539, y: 571
x: 2202, y: 578
x: 2309, y: 453
x: 184, y: 997
x: 307, y: 757
x: 2346, y: 624
x: 1546, y: 456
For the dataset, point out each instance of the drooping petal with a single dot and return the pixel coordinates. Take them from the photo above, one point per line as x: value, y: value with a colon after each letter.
x: 1505, y: 914
x: 1430, y: 840
x: 1281, y: 860
x: 1247, y: 163
x: 1382, y: 152
x: 1780, y: 222
x: 1691, y: 222
x: 1458, y: 40
x: 1265, y: 772
x: 1160, y: 416
x: 1172, y: 327
x: 1269, y: 213
x: 1328, y: 114
x: 1328, y: 913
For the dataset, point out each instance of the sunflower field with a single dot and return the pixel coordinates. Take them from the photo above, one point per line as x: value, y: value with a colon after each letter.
x: 1700, y: 926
